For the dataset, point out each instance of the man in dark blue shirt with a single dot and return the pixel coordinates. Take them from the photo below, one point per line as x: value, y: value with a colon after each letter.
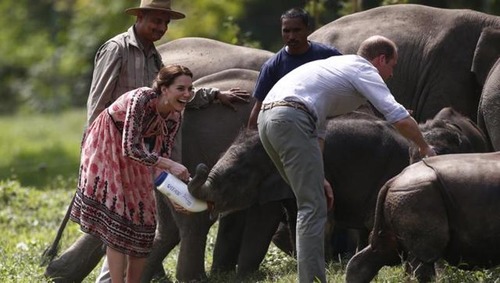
x: 295, y: 28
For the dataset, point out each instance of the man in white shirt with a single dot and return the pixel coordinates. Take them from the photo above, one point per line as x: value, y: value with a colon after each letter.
x: 292, y: 126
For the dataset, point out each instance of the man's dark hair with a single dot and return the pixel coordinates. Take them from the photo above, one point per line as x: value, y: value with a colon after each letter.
x: 375, y: 46
x: 297, y: 13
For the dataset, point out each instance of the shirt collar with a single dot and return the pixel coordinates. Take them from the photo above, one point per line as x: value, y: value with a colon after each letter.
x: 137, y: 43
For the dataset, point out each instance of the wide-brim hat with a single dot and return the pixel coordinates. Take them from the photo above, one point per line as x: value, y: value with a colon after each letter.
x: 160, y: 5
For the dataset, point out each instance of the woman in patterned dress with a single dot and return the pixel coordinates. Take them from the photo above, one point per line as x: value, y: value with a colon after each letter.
x: 122, y: 152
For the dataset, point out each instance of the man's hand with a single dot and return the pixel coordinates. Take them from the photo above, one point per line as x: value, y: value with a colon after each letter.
x: 227, y: 97
x: 328, y: 194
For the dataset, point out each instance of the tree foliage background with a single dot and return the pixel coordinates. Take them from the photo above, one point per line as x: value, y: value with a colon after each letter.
x: 48, y: 46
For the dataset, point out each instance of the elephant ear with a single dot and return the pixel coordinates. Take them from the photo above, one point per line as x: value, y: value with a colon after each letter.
x: 486, y: 53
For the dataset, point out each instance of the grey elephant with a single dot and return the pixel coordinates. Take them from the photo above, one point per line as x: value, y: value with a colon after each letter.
x: 489, y: 104
x: 361, y: 153
x: 206, y: 133
x: 445, y: 56
x: 443, y: 207
x: 208, y: 56
x: 451, y: 132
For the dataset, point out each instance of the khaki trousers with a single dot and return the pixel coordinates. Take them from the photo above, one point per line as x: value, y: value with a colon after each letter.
x: 289, y: 137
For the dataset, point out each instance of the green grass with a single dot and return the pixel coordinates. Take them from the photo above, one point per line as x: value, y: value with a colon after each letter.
x: 38, y: 168
x: 28, y: 220
x: 41, y: 150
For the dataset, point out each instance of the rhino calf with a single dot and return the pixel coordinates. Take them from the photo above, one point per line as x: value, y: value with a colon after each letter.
x: 444, y: 207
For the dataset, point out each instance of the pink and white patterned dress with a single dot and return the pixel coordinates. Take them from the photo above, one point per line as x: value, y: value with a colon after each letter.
x: 115, y: 199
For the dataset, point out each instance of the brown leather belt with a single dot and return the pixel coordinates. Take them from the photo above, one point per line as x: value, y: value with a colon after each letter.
x: 293, y: 104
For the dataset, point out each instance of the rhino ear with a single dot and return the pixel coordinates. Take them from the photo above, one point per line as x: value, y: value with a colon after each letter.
x: 486, y: 53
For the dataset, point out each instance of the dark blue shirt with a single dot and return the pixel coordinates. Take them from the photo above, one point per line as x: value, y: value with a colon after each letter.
x: 281, y: 63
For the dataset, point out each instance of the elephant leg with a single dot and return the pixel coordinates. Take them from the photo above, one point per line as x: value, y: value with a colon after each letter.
x: 284, y: 238
x: 193, y: 230
x: 228, y: 242
x: 166, y: 238
x: 364, y: 265
x: 260, y: 225
x: 77, y: 261
x: 362, y: 238
x: 344, y: 243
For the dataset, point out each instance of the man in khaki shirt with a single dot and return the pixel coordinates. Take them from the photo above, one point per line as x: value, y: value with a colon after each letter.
x: 130, y: 60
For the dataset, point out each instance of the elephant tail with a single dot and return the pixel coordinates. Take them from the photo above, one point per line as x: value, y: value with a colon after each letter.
x: 381, y: 237
x: 51, y: 252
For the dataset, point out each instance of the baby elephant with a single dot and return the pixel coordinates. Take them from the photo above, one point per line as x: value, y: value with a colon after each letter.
x: 443, y: 207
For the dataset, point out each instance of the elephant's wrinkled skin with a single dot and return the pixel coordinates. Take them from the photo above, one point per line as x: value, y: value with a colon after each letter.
x: 360, y: 155
x: 488, y: 117
x: 444, y: 207
x: 444, y: 57
x: 207, y: 56
x: 451, y: 132
x: 206, y: 134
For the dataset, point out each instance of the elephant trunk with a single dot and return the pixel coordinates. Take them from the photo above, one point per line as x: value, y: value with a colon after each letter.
x: 199, y: 187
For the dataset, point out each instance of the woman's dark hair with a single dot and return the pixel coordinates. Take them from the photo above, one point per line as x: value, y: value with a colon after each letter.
x: 375, y: 46
x: 168, y: 74
x: 297, y: 13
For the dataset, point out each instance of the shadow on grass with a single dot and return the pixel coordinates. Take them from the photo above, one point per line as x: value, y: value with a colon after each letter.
x: 44, y: 169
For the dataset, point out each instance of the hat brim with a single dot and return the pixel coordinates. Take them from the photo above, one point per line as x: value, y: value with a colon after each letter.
x: 174, y: 15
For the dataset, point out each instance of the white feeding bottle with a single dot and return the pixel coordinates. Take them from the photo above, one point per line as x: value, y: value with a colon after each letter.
x: 177, y: 191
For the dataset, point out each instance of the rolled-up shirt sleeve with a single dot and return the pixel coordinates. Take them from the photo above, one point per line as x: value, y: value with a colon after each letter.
x: 372, y: 86
x: 203, y: 97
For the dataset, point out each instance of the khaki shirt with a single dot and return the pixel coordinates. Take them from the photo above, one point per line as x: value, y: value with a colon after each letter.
x: 121, y: 64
